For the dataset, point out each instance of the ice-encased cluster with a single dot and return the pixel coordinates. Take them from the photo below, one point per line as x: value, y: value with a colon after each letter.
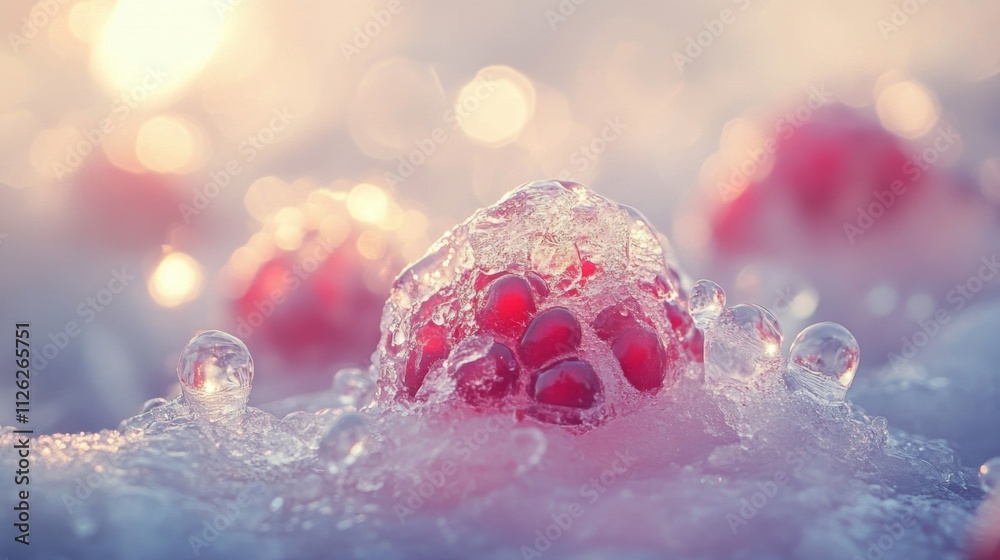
x: 761, y: 457
x: 572, y: 293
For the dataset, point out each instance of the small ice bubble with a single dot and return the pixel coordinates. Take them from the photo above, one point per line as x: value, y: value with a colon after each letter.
x: 823, y: 360
x: 216, y: 371
x: 705, y: 302
x: 744, y: 341
x: 353, y: 387
x: 989, y: 475
x: 344, y: 442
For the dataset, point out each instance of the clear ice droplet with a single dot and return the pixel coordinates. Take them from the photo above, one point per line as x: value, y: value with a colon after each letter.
x: 744, y: 341
x: 989, y: 475
x: 215, y: 370
x: 705, y: 302
x: 823, y: 360
x: 344, y: 442
x: 353, y: 387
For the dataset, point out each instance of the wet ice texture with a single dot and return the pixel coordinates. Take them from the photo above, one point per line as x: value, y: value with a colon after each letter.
x: 737, y: 464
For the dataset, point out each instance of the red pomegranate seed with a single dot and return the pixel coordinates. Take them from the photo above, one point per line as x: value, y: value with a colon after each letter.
x: 507, y: 307
x: 642, y: 358
x: 615, y: 319
x: 570, y: 383
x: 552, y: 333
x: 432, y: 347
x: 488, y: 378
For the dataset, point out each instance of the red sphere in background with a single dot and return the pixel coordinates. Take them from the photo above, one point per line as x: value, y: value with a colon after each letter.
x: 838, y: 161
x: 835, y: 216
x: 315, y: 299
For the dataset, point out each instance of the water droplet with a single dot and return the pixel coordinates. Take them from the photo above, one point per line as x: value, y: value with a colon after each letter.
x: 353, y: 387
x: 216, y: 371
x: 344, y: 442
x: 823, y: 360
x: 705, y: 302
x: 989, y: 475
x: 744, y: 341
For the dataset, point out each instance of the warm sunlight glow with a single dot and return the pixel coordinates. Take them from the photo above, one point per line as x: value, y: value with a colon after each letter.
x: 495, y: 106
x: 907, y: 109
x: 368, y: 203
x: 176, y: 280
x: 148, y: 48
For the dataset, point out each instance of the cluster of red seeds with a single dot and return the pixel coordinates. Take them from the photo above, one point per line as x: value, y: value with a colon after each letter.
x: 537, y: 347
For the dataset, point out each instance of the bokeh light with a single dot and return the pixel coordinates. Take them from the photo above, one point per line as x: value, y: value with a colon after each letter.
x: 176, y: 280
x: 494, y: 107
x: 167, y: 144
x: 368, y: 203
x: 907, y: 108
x: 153, y: 49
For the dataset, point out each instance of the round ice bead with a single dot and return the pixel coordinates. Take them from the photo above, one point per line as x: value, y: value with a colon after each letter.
x: 353, y: 387
x: 743, y: 342
x: 756, y: 324
x: 705, y: 302
x: 215, y: 369
x: 344, y: 442
x: 989, y: 475
x: 822, y: 360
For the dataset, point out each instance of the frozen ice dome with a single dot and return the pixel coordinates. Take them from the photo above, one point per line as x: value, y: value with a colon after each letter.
x: 555, y: 302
